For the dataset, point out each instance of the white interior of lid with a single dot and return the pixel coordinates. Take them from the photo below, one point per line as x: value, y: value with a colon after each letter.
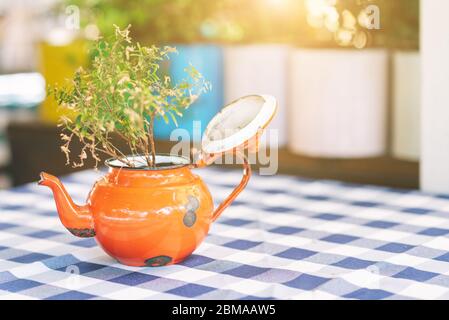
x: 140, y: 161
x: 238, y: 122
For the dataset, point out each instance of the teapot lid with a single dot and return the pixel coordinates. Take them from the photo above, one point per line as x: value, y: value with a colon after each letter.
x: 238, y: 122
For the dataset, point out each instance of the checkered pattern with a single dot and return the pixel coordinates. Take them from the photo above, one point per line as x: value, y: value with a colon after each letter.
x: 285, y: 238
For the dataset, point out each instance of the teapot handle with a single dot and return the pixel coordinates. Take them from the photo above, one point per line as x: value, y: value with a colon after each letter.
x: 237, y: 190
x: 206, y: 159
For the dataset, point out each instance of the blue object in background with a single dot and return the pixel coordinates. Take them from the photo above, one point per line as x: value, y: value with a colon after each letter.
x: 208, y: 60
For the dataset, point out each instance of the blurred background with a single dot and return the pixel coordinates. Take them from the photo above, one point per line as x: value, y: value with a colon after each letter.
x: 346, y: 74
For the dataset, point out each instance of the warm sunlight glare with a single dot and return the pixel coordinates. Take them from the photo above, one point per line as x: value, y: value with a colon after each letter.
x: 322, y: 13
x: 277, y: 3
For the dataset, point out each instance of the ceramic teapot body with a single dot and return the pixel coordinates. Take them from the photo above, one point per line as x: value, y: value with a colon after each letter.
x: 156, y: 217
x: 143, y: 217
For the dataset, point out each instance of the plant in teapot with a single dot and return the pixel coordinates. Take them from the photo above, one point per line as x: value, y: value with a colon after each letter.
x: 150, y: 209
x: 122, y: 94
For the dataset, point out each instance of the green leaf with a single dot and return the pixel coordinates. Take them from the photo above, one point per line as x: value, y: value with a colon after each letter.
x: 173, y: 118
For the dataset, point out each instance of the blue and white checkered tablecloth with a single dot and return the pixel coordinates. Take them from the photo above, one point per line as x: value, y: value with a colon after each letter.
x: 285, y: 238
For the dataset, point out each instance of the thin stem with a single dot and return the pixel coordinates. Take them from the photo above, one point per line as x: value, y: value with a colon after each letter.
x: 121, y: 135
x: 114, y: 155
x: 115, y: 148
x: 151, y: 139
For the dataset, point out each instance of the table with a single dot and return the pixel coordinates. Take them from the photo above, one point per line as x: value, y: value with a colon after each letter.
x: 284, y: 238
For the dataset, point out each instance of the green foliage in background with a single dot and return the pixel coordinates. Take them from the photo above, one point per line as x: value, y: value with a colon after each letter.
x: 403, y: 24
x: 153, y: 21
x: 193, y: 21
x: 122, y: 94
x: 254, y: 21
x: 399, y: 25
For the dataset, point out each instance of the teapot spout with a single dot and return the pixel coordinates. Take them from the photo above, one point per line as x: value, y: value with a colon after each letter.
x: 77, y: 219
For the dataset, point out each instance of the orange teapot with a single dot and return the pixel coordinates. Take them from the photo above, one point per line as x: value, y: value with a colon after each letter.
x: 156, y: 217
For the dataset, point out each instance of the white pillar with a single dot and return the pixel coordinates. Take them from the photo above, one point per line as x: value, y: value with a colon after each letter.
x: 435, y: 95
x: 406, y: 105
x: 259, y: 69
